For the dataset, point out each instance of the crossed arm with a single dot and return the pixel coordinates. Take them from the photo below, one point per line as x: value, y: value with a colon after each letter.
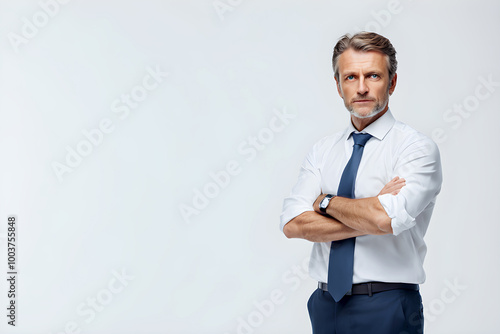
x: 353, y: 218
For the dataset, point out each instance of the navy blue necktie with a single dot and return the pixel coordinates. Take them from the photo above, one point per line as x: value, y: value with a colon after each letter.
x: 342, y: 251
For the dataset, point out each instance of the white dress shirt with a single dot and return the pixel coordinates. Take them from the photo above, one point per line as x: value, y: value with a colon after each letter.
x: 395, y: 150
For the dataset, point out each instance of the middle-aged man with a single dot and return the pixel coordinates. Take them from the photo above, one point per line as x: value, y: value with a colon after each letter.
x: 365, y: 196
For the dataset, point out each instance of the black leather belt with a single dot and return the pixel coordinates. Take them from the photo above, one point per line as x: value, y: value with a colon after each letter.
x: 373, y: 287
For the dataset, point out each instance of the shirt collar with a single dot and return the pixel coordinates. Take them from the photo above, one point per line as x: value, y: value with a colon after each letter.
x: 377, y: 129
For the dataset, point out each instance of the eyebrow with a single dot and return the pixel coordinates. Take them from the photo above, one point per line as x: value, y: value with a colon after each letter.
x: 352, y: 72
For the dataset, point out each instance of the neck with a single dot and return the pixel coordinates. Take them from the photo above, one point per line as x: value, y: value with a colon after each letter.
x: 361, y: 123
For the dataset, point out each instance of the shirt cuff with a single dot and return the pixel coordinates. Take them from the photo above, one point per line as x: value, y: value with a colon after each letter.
x: 394, y: 206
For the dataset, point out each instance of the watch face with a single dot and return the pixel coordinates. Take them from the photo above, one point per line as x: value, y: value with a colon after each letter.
x: 323, y: 202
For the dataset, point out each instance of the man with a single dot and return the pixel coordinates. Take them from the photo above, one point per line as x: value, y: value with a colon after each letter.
x: 365, y: 197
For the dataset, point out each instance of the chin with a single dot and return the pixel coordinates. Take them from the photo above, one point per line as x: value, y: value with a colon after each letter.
x: 364, y: 114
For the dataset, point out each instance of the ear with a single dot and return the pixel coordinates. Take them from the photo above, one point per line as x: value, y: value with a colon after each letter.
x: 338, y: 88
x: 393, y: 84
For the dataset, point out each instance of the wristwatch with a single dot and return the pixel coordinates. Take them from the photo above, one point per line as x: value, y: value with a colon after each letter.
x: 324, y: 203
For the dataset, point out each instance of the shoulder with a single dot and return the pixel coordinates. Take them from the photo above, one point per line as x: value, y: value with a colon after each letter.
x: 407, y: 138
x: 327, y: 142
x: 324, y: 146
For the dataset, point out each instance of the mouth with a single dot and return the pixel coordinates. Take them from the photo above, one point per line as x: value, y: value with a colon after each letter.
x: 362, y: 101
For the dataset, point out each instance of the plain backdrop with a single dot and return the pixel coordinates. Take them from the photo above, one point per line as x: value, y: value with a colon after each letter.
x: 135, y: 236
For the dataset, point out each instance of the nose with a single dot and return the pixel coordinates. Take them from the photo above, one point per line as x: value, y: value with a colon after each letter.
x: 362, y: 87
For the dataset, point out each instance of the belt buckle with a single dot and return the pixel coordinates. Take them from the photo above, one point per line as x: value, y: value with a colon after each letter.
x: 349, y: 293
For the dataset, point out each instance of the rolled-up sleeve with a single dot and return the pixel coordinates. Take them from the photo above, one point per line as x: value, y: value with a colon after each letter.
x: 420, y: 165
x: 305, y: 191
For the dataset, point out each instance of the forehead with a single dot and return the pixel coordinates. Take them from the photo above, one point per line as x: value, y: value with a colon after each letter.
x: 355, y: 61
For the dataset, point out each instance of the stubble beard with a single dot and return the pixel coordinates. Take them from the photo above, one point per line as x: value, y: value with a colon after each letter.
x: 379, y: 107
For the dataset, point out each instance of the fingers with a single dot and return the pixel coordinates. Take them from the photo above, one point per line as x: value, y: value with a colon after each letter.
x: 397, y: 179
x: 393, y: 186
x: 399, y: 183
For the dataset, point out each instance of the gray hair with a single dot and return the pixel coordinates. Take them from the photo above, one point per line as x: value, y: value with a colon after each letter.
x: 365, y: 41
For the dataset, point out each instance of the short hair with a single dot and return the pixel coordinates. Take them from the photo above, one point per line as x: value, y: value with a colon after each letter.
x: 365, y: 41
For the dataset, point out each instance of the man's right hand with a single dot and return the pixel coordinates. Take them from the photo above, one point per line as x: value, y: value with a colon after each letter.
x: 393, y: 186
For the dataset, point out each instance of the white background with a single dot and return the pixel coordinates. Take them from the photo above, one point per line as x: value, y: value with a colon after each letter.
x: 230, y: 71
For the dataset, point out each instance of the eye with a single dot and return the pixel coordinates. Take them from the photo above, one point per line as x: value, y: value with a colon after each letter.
x: 350, y: 77
x: 374, y: 76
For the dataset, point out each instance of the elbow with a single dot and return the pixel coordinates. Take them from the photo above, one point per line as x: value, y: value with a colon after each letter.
x: 289, y: 230
x: 384, y: 224
x: 381, y: 222
x: 293, y: 229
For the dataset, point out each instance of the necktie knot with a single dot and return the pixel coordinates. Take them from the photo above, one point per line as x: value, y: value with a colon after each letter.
x: 361, y: 138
